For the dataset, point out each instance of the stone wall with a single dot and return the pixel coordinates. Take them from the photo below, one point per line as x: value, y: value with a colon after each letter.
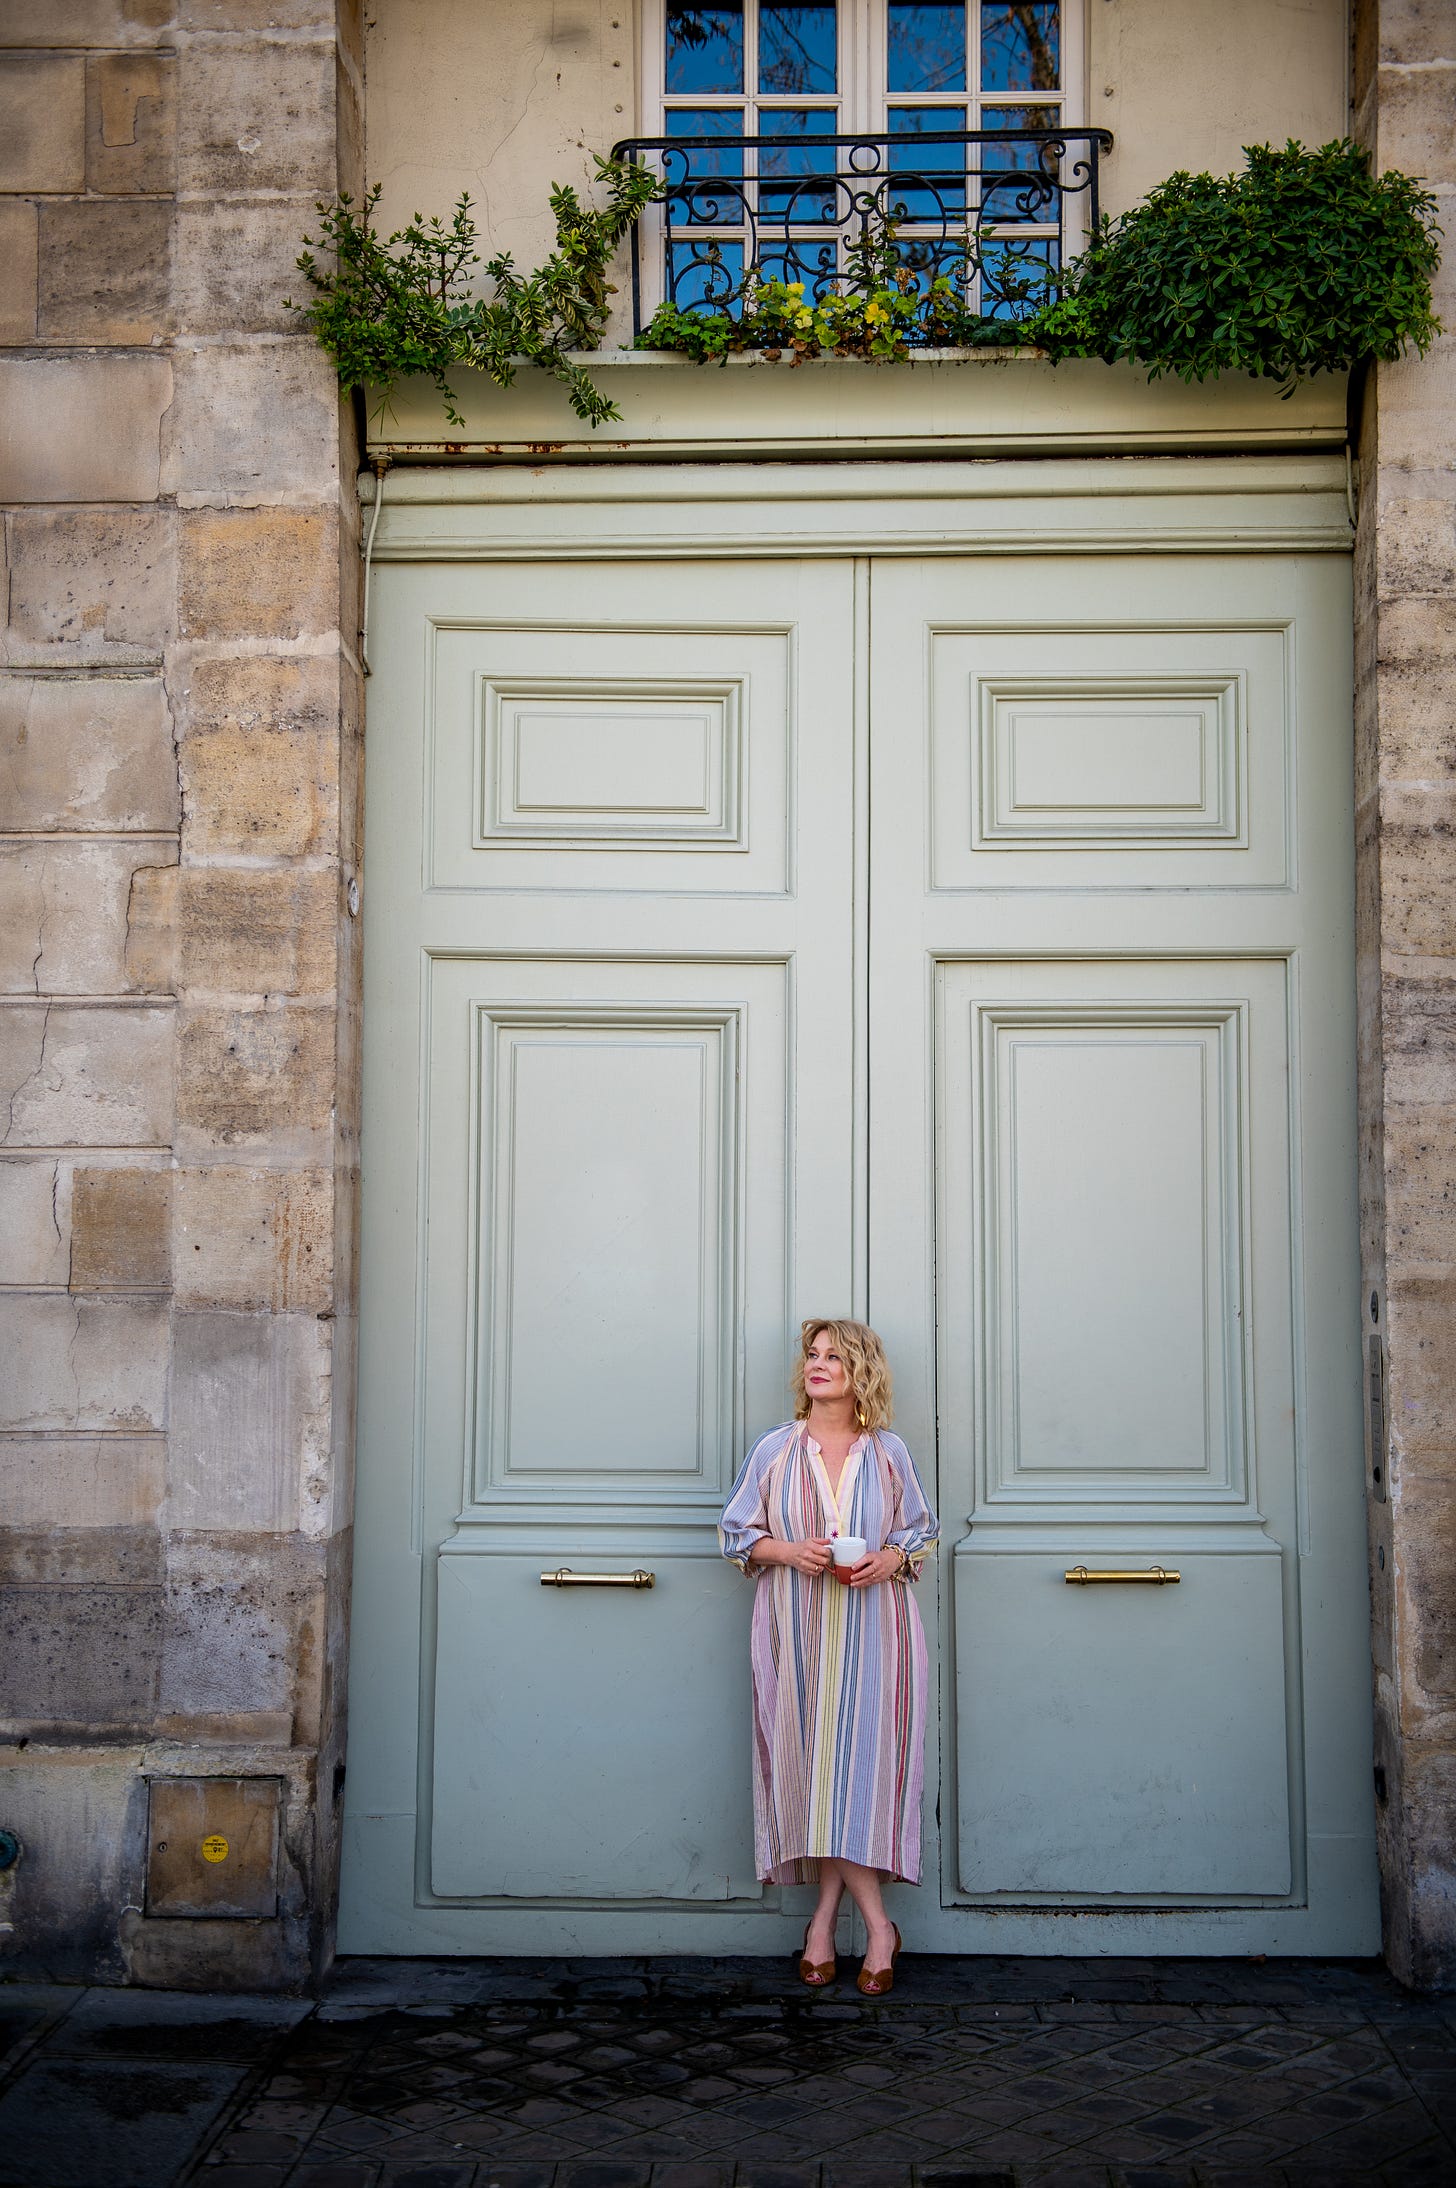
x: 179, y: 800
x: 1405, y: 96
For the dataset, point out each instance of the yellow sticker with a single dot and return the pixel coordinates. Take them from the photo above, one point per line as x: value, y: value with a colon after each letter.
x: 215, y: 1848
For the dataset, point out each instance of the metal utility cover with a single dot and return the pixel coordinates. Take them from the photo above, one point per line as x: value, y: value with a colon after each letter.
x: 213, y: 1846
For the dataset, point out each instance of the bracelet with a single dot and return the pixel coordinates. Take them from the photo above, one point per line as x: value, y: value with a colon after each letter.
x: 905, y: 1567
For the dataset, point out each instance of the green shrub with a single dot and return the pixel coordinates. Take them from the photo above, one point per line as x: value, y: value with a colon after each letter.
x: 1303, y: 263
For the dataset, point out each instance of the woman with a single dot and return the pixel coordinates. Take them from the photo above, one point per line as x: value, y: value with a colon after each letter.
x: 838, y: 1670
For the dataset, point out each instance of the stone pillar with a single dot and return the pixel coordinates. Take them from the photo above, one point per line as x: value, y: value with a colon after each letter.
x: 179, y: 801
x: 1405, y: 96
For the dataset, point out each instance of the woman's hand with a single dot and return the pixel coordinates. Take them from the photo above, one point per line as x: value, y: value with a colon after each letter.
x: 810, y: 1557
x: 879, y: 1565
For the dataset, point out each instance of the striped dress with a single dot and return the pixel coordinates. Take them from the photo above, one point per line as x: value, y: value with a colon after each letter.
x: 839, y: 1673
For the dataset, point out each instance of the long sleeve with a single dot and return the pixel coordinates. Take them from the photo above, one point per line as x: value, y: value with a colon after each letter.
x: 916, y: 1528
x: 744, y: 1518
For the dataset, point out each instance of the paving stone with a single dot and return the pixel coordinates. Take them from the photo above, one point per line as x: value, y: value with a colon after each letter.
x: 130, y: 2123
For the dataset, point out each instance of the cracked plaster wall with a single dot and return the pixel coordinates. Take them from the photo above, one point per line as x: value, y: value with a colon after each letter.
x: 179, y: 779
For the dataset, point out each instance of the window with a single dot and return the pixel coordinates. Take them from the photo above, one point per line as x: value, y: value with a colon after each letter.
x: 923, y: 77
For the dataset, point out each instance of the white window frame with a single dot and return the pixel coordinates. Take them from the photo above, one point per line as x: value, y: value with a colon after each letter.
x: 862, y: 102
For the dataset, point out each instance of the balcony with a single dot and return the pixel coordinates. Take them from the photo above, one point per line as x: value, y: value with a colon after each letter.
x: 996, y: 211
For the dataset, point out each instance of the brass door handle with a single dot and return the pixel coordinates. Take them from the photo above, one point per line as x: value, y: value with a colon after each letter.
x: 564, y: 1577
x: 1156, y: 1576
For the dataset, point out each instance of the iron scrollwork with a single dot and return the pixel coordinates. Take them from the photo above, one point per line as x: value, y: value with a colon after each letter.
x: 996, y: 210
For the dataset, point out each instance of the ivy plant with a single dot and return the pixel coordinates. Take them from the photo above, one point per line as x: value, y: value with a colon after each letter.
x: 385, y: 309
x: 1305, y: 262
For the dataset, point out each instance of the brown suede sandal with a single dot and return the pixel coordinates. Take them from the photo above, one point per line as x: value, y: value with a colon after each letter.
x: 874, y: 1982
x: 816, y: 1973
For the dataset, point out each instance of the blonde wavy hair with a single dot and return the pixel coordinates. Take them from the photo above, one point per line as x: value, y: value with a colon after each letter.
x: 864, y: 1359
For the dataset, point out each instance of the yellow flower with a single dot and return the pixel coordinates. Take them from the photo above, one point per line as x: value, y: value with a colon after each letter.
x: 804, y: 319
x: 874, y: 313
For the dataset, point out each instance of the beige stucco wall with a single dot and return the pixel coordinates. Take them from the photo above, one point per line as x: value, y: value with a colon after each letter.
x: 504, y: 99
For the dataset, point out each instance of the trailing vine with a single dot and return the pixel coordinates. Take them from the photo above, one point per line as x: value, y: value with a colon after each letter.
x: 386, y: 309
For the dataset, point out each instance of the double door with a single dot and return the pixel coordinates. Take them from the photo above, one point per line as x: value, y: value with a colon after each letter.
x: 959, y: 942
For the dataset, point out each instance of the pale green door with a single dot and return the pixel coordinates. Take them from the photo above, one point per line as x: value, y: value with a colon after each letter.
x: 1112, y: 1098
x: 964, y: 941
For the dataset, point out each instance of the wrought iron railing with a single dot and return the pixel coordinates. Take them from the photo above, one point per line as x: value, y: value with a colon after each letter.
x: 996, y: 209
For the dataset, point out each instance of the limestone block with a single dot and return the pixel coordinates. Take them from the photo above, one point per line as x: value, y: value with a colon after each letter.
x: 106, y: 1557
x: 253, y: 421
x: 82, y: 1481
x: 258, y: 573
x: 1418, y: 407
x: 151, y: 930
x: 250, y: 1405
x: 259, y: 761
x: 105, y: 273
x: 1415, y: 119
x: 256, y: 118
x: 263, y: 17
x: 1421, y: 1334
x: 84, y: 22
x: 81, y: 1655
x: 244, y: 1617
x: 90, y: 585
x: 42, y: 121
x: 82, y: 1363
x: 1418, y: 870
x: 256, y: 1078
x: 1415, y: 30
x: 83, y: 428
x: 1418, y: 1023
x: 234, y: 263
x: 244, y: 932
x: 19, y: 270
x: 121, y: 1230
x: 1417, y: 686
x: 35, y: 1220
x: 65, y: 912
x: 1425, y: 1560
x: 84, y: 1075
x: 253, y: 1238
x: 1424, y: 1952
x: 1420, y: 1184
x: 1416, y: 546
x: 82, y: 1817
x: 86, y: 752
x: 131, y: 122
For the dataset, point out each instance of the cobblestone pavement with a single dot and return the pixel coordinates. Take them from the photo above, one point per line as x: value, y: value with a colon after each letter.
x: 726, y: 2074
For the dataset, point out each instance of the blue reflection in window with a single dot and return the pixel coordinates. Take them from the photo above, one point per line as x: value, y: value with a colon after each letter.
x: 1020, y: 45
x: 1016, y: 278
x: 815, y: 264
x: 695, y: 162
x: 942, y: 166
x: 797, y: 47
x: 704, y: 275
x: 1022, y: 194
x: 797, y: 156
x: 705, y: 46
x: 927, y: 46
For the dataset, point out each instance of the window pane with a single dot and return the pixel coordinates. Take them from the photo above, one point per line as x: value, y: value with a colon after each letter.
x: 797, y: 48
x: 705, y: 46
x: 1016, y: 277
x: 1029, y: 190
x: 696, y: 160
x: 1019, y: 45
x: 927, y: 46
x: 798, y: 155
x: 704, y: 274
x: 929, y: 178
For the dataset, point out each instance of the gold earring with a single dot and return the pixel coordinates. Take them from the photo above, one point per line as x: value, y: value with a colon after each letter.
x: 859, y: 1415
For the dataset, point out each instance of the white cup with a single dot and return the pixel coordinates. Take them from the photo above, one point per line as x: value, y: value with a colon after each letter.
x: 847, y: 1550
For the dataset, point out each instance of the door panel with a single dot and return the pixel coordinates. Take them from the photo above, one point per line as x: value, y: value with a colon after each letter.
x: 610, y: 1134
x: 1113, y: 1236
